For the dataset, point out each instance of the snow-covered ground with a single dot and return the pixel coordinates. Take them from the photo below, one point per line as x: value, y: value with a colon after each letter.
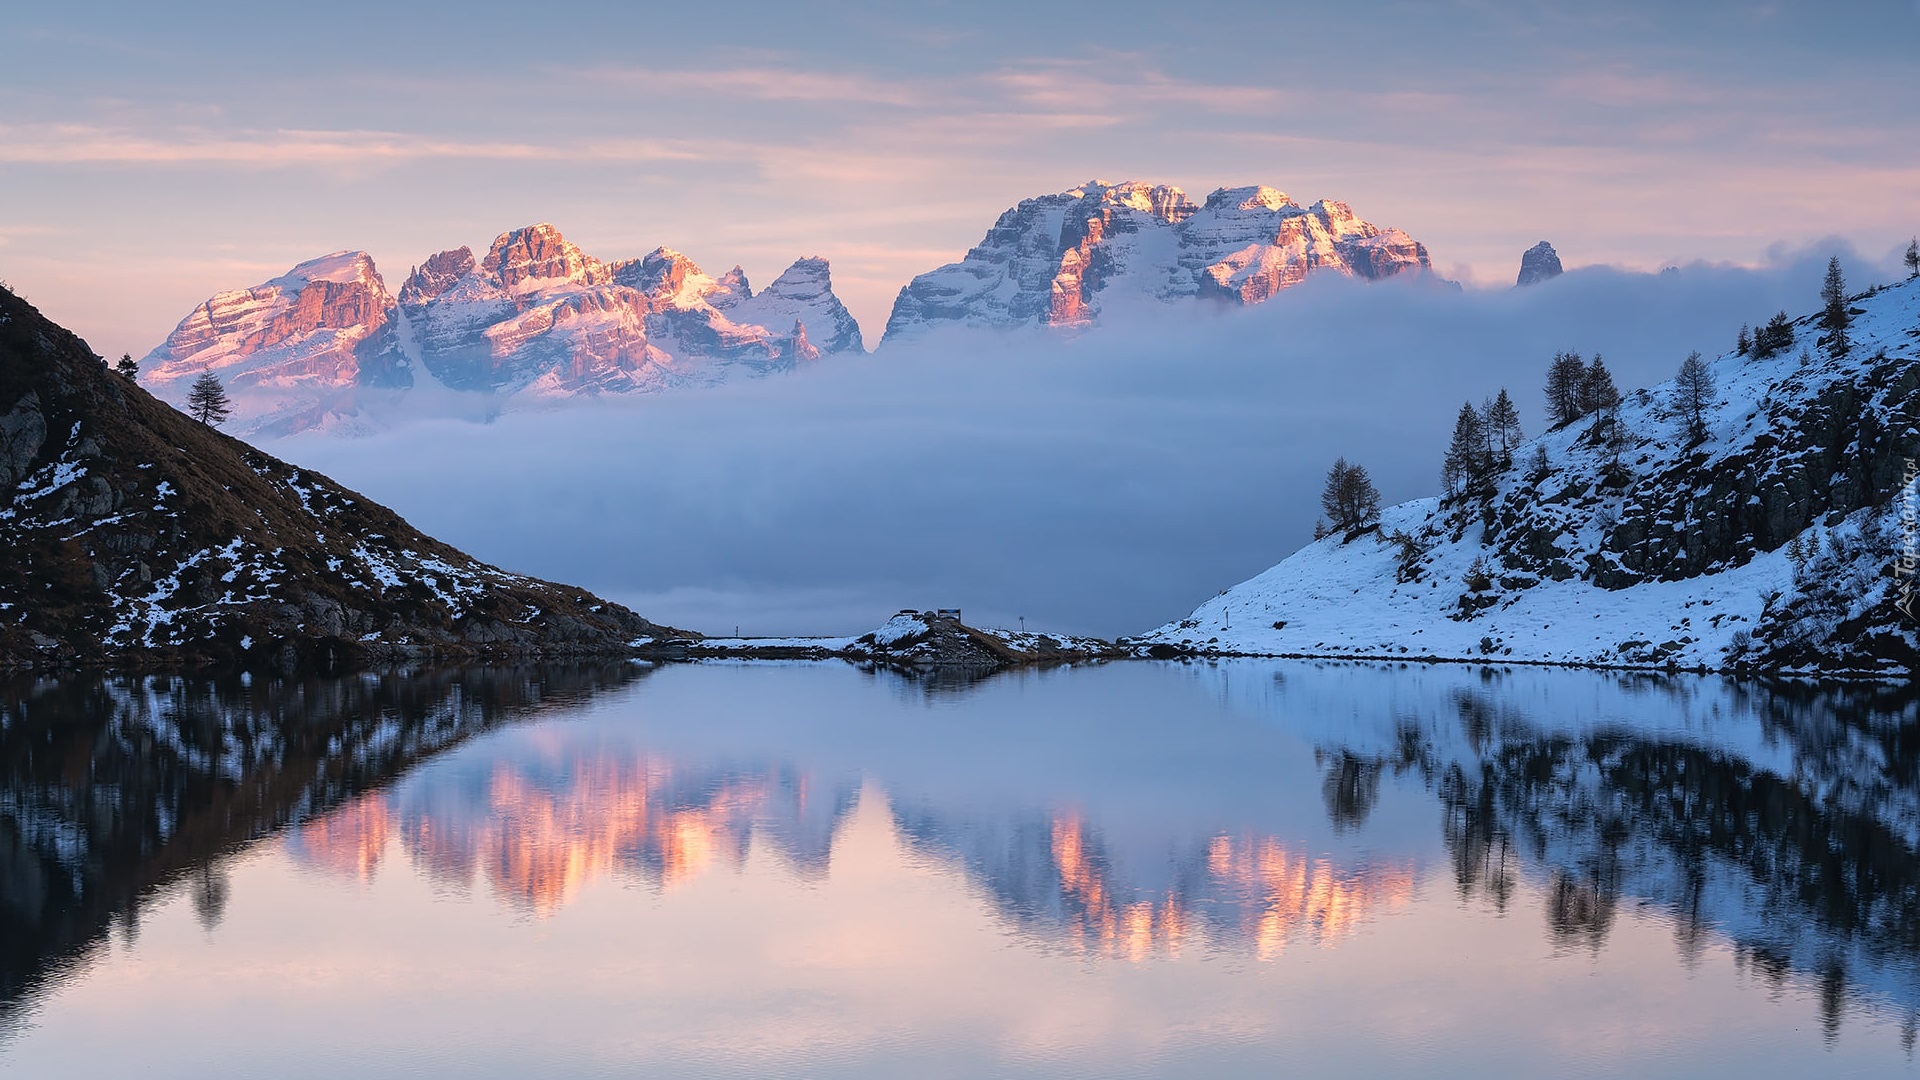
x: 1341, y: 599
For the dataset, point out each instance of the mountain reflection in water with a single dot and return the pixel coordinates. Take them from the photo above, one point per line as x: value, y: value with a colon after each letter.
x: 537, y: 838
x: 1781, y: 821
x: 537, y: 835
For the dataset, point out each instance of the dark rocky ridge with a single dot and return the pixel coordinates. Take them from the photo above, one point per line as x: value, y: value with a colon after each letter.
x: 1538, y: 263
x: 138, y: 537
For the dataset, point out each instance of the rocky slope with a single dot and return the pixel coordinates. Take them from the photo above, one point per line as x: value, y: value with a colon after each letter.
x: 533, y: 315
x: 1776, y: 541
x: 138, y: 537
x: 1055, y: 260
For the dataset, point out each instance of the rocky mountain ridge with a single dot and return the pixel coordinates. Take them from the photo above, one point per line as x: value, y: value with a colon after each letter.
x: 534, y: 315
x: 136, y: 537
x: 326, y: 345
x: 1057, y: 259
x: 1777, y: 535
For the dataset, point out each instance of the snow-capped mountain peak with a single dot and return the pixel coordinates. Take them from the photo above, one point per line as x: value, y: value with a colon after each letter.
x: 1056, y: 260
x: 1256, y: 197
x: 436, y: 276
x: 803, y: 293
x: 1162, y: 201
x: 530, y: 258
x: 341, y: 268
x: 730, y: 289
x: 667, y: 277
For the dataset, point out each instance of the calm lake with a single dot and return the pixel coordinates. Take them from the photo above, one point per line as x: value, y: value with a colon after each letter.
x: 1138, y: 869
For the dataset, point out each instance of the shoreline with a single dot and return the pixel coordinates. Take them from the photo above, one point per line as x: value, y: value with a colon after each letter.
x: 943, y: 644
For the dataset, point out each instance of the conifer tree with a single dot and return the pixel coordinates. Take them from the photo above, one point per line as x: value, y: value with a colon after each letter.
x: 1502, y: 421
x: 1602, y: 399
x: 1466, y: 467
x: 126, y: 366
x: 1833, y: 297
x: 207, y: 400
x: 1912, y: 258
x: 1743, y: 343
x: 1564, y: 377
x: 1692, y: 393
x: 1597, y: 392
x: 1350, y: 499
x: 1776, y: 336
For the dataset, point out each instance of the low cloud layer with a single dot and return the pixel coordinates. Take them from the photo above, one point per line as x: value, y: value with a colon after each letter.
x: 1103, y: 482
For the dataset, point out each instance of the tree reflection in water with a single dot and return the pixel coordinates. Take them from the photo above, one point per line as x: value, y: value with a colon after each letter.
x: 114, y: 791
x: 1809, y: 870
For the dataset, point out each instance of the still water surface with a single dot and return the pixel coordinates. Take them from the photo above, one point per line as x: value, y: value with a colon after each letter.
x: 1242, y: 869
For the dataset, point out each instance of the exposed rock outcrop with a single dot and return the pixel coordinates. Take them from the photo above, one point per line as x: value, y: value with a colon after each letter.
x: 1054, y: 260
x: 137, y: 537
x: 1539, y: 263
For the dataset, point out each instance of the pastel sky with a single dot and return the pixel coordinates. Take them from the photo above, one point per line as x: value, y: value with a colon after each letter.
x: 153, y: 154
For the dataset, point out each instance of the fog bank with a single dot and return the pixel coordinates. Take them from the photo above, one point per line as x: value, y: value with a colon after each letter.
x: 1099, y: 482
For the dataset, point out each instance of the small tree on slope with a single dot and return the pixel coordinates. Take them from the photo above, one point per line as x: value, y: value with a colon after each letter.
x: 1692, y: 393
x: 1503, y: 426
x: 126, y: 365
x: 1466, y: 467
x: 1598, y: 394
x: 207, y: 400
x: 1564, y: 378
x: 1833, y: 314
x: 1350, y: 499
x: 1773, y: 336
x: 1912, y: 259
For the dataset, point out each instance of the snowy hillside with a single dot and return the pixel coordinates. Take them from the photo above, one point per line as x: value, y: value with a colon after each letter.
x: 1772, y: 542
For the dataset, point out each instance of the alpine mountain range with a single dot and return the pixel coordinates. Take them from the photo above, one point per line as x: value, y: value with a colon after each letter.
x: 538, y: 317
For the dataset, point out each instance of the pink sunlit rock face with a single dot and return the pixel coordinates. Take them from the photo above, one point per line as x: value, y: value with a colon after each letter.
x: 1057, y: 260
x: 322, y: 328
